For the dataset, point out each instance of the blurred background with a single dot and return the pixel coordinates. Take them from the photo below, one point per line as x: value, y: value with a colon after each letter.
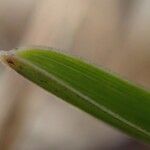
x: 114, y: 34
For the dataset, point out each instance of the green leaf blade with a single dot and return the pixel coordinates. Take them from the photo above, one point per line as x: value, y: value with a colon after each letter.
x: 91, y: 89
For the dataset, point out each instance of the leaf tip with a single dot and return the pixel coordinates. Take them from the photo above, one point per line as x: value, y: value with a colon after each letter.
x: 6, y: 57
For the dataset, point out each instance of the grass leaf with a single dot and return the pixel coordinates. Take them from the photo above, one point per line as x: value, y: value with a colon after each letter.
x: 91, y: 89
